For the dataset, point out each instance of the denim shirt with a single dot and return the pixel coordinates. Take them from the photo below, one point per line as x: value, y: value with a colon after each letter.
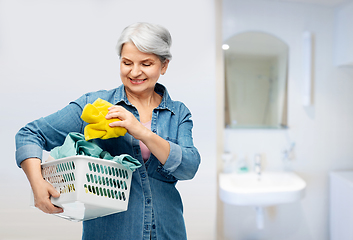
x: 155, y: 209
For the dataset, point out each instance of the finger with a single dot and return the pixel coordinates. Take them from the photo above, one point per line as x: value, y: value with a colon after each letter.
x: 51, y: 209
x: 53, y: 192
x: 117, y: 124
x: 116, y: 108
x: 118, y: 115
x: 47, y: 207
x: 54, y: 209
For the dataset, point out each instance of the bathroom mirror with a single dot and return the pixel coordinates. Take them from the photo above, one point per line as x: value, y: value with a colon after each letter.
x: 255, y: 81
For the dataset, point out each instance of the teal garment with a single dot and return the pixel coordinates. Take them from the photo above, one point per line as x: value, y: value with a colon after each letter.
x: 75, y: 144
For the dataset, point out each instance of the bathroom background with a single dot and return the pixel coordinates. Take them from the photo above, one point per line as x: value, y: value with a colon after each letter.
x: 52, y: 52
x: 322, y: 132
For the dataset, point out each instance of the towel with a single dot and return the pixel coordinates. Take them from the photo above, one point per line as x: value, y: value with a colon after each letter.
x: 75, y: 144
x: 98, y: 126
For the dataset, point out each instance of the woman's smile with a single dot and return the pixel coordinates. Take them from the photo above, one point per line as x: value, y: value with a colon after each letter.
x: 137, y: 81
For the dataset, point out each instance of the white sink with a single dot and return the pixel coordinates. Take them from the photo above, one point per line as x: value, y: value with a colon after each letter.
x: 246, y: 189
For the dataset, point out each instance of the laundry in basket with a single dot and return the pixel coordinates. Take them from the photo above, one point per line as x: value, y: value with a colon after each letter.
x: 89, y: 186
x: 75, y: 144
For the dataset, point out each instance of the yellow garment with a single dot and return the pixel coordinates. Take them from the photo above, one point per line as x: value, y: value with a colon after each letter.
x: 98, y: 126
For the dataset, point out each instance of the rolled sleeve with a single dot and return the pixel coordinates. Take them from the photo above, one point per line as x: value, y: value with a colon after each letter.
x: 28, y: 151
x: 48, y: 132
x: 174, y: 158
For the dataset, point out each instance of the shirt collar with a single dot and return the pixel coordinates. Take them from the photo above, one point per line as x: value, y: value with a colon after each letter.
x: 166, y: 103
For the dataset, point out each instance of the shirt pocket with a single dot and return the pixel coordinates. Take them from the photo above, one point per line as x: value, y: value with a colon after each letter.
x: 161, y: 174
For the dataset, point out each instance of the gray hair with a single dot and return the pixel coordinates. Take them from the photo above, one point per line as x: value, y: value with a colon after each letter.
x: 148, y: 38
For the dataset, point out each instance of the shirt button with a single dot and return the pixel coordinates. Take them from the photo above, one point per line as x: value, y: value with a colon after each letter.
x: 153, y: 226
x: 148, y: 201
x: 143, y: 175
x: 154, y: 130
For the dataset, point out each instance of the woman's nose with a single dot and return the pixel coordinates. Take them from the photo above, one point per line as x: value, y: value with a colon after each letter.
x: 135, y: 71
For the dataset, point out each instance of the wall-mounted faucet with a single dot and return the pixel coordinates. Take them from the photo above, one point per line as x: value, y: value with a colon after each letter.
x: 257, y: 165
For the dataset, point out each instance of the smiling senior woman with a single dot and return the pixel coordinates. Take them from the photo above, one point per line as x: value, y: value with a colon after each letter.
x: 159, y: 136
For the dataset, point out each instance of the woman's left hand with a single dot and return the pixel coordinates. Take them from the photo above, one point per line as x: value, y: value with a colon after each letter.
x: 158, y: 146
x: 128, y: 121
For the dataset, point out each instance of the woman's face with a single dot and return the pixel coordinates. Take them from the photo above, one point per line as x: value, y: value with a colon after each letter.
x: 140, y: 71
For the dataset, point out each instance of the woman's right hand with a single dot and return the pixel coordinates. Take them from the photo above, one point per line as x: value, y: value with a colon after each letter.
x: 42, y: 190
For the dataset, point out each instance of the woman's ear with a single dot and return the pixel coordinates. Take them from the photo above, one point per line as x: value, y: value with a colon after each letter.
x: 164, y: 66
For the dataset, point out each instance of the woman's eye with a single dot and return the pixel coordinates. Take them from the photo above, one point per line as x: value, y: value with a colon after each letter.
x: 146, y: 64
x: 127, y: 63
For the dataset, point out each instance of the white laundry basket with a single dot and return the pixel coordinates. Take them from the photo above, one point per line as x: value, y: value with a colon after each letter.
x: 89, y: 187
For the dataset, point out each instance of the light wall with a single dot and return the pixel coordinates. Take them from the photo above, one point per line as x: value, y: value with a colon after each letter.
x: 52, y: 52
x: 322, y: 133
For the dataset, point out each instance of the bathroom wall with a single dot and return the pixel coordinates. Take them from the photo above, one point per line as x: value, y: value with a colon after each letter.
x: 52, y: 52
x: 322, y: 133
